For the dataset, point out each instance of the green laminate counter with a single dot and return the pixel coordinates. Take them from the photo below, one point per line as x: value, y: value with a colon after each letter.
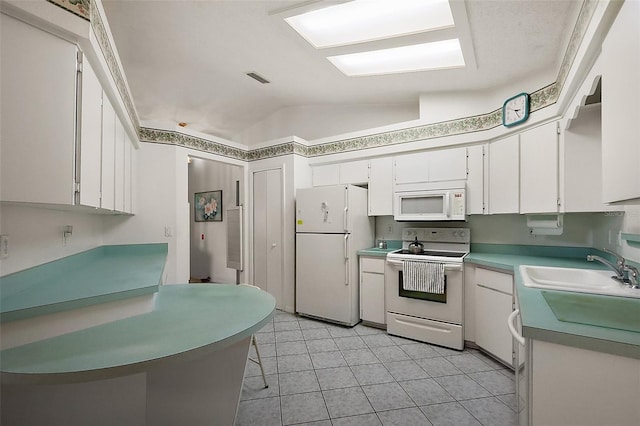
x: 187, y: 321
x: 380, y: 252
x: 104, y: 274
x: 538, y: 320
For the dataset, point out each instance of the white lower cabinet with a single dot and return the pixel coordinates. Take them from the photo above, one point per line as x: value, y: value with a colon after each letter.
x: 372, y: 307
x: 574, y: 386
x: 493, y: 305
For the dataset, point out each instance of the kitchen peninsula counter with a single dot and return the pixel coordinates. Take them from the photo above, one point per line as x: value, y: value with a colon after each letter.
x: 538, y: 320
x: 182, y: 362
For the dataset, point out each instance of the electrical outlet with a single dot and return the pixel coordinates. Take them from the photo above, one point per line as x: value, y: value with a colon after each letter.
x: 390, y: 229
x: 4, y: 246
x: 168, y: 232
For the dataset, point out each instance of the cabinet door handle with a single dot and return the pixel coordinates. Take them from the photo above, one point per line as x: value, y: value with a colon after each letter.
x: 512, y: 327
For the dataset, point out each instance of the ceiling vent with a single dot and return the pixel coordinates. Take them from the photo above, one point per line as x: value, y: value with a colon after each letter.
x: 258, y: 78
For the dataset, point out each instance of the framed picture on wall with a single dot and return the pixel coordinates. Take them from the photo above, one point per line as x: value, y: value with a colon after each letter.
x: 208, y: 206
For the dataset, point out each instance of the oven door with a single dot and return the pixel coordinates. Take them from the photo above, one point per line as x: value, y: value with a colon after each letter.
x: 440, y: 307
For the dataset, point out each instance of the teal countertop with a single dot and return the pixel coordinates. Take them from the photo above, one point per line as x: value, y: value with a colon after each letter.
x: 378, y: 252
x: 187, y: 321
x: 100, y: 275
x: 538, y: 320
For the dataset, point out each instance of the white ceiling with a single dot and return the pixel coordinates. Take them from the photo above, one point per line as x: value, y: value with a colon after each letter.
x: 186, y: 60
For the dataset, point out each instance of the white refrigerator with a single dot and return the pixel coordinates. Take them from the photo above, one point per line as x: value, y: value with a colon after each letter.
x: 331, y: 226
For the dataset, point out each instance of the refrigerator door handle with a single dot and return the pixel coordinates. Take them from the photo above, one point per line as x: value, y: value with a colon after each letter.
x: 345, y: 216
x: 346, y: 259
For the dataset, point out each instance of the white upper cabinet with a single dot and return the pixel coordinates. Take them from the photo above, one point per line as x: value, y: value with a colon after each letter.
x: 581, y: 164
x: 69, y: 157
x: 326, y: 175
x: 381, y: 186
x: 447, y: 164
x: 108, y: 155
x: 431, y: 166
x: 476, y: 179
x: 539, y: 169
x: 120, y: 142
x: 504, y: 175
x: 620, y: 106
x: 38, y: 101
x: 353, y: 172
x: 410, y: 168
x: 90, y: 146
x: 127, y: 175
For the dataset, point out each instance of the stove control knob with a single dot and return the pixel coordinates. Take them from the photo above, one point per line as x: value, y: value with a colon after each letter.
x: 462, y: 234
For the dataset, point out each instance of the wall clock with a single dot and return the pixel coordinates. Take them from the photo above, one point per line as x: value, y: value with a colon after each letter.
x: 515, y: 110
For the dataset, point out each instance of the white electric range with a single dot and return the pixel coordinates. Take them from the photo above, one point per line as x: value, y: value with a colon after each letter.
x: 428, y: 317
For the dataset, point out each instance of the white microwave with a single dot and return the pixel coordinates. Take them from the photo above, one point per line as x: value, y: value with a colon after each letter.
x: 429, y: 205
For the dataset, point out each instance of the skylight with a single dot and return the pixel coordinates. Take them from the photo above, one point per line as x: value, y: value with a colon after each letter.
x: 418, y: 57
x: 360, y: 21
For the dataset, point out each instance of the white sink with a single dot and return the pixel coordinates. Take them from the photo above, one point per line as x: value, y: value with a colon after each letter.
x: 593, y: 281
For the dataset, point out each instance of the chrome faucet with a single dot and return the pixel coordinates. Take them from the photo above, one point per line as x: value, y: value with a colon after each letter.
x: 633, y: 276
x: 620, y: 267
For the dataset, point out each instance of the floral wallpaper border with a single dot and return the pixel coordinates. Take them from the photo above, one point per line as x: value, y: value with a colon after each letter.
x: 77, y: 7
x: 539, y: 99
x: 169, y: 137
x: 109, y: 55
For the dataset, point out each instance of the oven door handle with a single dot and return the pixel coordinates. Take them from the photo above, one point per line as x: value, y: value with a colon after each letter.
x: 448, y: 267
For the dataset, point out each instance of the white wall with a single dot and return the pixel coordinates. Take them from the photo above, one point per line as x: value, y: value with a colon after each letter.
x: 35, y: 235
x: 162, y: 204
x: 315, y: 121
x: 607, y: 233
x: 444, y: 106
x: 580, y: 229
x: 157, y: 206
x: 209, y: 256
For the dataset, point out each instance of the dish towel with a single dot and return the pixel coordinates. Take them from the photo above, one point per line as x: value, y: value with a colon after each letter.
x: 427, y: 277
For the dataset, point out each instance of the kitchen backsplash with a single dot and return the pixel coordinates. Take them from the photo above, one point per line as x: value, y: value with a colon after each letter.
x: 596, y: 230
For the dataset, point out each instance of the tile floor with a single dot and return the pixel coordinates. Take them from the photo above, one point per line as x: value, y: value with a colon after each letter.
x: 324, y: 374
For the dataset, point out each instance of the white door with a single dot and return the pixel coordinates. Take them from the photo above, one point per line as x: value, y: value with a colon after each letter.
x: 322, y: 209
x: 448, y: 164
x: 539, y: 169
x: 90, y: 138
x: 38, y: 101
x: 411, y: 168
x: 119, y: 169
x: 381, y: 187
x: 323, y: 287
x: 475, y: 180
x: 504, y: 175
x: 108, y: 180
x: 267, y: 230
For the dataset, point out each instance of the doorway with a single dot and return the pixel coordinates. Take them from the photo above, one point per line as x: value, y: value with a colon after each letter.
x: 208, y: 236
x: 268, y: 217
